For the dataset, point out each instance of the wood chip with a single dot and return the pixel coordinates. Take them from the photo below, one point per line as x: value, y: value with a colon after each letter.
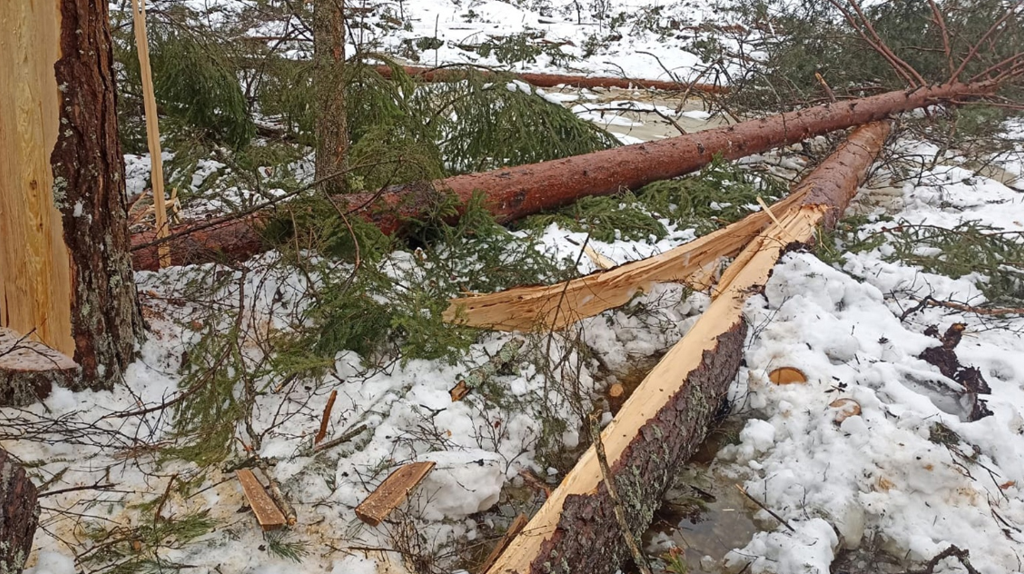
x: 845, y: 408
x: 267, y: 513
x: 787, y: 376
x: 459, y: 391
x: 392, y: 492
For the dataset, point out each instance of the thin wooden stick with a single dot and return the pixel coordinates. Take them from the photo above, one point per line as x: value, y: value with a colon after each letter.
x: 326, y: 418
x: 152, y: 129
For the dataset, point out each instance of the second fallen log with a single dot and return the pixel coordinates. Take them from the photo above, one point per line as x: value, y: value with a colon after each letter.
x: 513, y: 193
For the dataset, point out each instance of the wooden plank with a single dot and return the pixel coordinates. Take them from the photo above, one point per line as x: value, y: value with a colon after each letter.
x: 29, y: 369
x: 392, y: 492
x: 665, y: 419
x: 267, y: 513
x: 35, y: 280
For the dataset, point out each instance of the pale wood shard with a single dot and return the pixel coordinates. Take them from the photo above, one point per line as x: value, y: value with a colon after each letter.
x: 29, y: 369
x: 35, y: 278
x: 267, y: 513
x: 557, y: 306
x: 666, y: 418
x: 392, y: 492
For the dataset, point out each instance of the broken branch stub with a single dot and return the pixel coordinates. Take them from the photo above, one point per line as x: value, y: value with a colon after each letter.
x: 667, y: 417
x: 515, y: 192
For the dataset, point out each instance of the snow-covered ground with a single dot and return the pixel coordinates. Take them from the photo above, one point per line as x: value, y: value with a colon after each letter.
x: 881, y: 476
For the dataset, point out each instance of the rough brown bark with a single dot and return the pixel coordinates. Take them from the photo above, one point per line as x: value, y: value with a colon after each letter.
x: 29, y: 370
x: 331, y: 123
x: 516, y: 192
x: 19, y: 514
x: 668, y: 415
x: 553, y: 80
x: 88, y: 189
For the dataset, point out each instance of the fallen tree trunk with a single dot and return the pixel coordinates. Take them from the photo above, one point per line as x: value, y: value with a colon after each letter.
x: 513, y: 193
x: 667, y: 416
x: 554, y: 80
x: 19, y: 514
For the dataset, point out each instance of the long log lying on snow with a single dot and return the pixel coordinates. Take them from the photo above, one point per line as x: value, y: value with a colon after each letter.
x: 516, y: 192
x: 667, y: 416
x: 555, y: 80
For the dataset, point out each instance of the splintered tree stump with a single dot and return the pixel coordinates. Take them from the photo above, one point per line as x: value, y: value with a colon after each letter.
x: 392, y: 492
x: 29, y: 370
x: 515, y: 192
x: 267, y: 513
x: 19, y: 514
x: 667, y: 417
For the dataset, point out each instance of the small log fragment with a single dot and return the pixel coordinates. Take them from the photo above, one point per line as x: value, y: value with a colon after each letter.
x: 845, y: 408
x: 392, y: 492
x: 19, y: 514
x: 267, y: 513
x: 29, y: 369
x: 666, y: 418
x: 513, y: 530
x: 505, y: 355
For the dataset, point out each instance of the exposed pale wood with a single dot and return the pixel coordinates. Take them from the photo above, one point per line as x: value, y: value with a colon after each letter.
x: 152, y: 130
x: 35, y: 280
x: 557, y: 306
x: 601, y: 261
x: 29, y: 369
x: 392, y: 492
x: 666, y: 417
x: 513, y: 530
x: 787, y: 376
x: 267, y: 513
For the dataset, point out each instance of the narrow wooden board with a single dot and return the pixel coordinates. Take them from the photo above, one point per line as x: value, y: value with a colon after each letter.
x: 267, y: 513
x: 392, y: 492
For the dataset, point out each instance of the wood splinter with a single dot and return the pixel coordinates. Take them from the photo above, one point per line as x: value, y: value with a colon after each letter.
x: 267, y: 513
x: 392, y: 492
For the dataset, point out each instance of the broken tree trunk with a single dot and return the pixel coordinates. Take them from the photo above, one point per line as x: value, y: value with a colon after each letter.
x: 554, y: 80
x: 513, y: 193
x: 666, y: 418
x: 65, y: 266
x: 19, y: 514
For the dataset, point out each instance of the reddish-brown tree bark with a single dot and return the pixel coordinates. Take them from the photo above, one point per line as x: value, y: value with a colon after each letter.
x: 516, y: 192
x: 89, y: 190
x: 19, y: 514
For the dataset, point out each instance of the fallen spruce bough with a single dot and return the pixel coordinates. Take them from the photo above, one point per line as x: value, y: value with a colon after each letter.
x: 513, y: 193
x: 667, y: 417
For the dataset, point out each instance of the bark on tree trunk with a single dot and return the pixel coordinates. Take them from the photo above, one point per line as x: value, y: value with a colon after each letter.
x: 19, y: 514
x: 668, y: 415
x: 329, y: 61
x: 88, y: 189
x: 516, y: 192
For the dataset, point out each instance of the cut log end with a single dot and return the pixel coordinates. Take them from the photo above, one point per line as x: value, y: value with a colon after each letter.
x: 392, y: 492
x: 29, y: 370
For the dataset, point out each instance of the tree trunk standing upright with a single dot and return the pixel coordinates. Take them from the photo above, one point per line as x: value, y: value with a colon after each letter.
x: 329, y: 65
x: 89, y: 190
